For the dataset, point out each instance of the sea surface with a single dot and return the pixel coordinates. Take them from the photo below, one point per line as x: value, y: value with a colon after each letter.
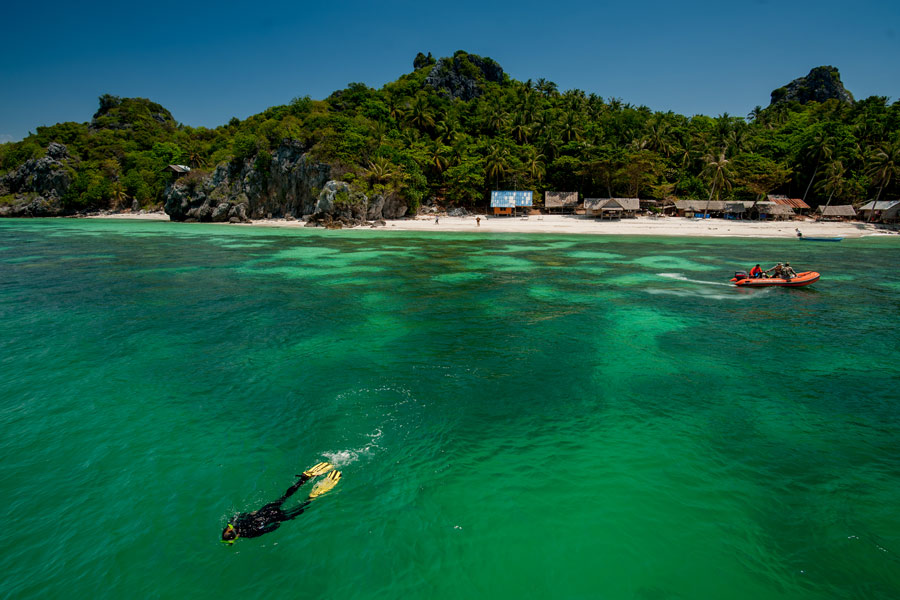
x: 514, y: 416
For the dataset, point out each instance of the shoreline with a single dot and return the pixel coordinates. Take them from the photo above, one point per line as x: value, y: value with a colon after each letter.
x: 579, y: 225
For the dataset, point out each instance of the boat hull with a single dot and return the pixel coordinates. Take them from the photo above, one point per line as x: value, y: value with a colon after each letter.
x: 804, y: 278
x: 820, y: 239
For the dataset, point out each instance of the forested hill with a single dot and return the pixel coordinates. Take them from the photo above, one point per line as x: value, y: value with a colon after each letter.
x: 452, y: 130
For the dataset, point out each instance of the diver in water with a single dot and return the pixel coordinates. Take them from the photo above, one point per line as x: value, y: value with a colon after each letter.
x: 269, y: 517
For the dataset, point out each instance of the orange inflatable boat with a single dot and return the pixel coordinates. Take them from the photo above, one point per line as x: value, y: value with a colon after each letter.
x: 805, y: 278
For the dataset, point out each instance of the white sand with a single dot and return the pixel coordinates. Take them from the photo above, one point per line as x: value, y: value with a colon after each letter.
x: 568, y: 224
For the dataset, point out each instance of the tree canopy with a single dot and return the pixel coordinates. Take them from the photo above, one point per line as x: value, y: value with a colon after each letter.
x: 421, y: 141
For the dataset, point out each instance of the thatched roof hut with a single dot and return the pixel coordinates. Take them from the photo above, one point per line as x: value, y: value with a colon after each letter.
x: 842, y: 211
x: 611, y: 206
x: 562, y: 200
x: 685, y: 207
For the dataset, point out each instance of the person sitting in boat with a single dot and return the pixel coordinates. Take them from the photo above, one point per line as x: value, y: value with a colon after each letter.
x: 756, y: 272
x: 775, y: 271
x: 787, y: 272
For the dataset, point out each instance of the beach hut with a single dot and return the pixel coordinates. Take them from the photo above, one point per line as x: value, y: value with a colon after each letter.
x: 737, y: 210
x: 611, y: 207
x: 696, y: 208
x: 771, y: 210
x: 796, y: 205
x: 561, y: 201
x: 883, y: 210
x: 835, y: 213
x: 505, y: 202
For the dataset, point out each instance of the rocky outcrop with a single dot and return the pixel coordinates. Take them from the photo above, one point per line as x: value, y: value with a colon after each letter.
x: 821, y: 84
x: 464, y: 75
x: 283, y: 184
x: 339, y: 205
x: 38, y: 185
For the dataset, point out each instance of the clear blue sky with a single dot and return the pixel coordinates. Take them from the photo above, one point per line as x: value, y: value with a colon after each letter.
x: 209, y: 61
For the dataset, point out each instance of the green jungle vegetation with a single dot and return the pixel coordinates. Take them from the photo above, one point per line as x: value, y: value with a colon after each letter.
x: 419, y: 141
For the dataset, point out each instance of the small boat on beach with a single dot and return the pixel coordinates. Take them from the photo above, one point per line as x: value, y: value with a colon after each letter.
x: 805, y: 278
x: 803, y: 238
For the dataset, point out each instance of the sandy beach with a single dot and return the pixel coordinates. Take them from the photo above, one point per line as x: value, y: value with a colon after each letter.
x: 570, y: 224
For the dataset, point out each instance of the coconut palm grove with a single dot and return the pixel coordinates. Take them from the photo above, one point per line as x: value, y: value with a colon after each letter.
x: 455, y: 128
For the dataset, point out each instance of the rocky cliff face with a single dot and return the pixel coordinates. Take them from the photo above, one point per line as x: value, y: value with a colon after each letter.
x: 284, y: 184
x: 821, y: 84
x: 463, y: 75
x: 39, y: 185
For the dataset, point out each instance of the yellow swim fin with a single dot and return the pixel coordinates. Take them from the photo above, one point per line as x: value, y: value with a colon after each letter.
x: 326, y: 484
x: 319, y: 469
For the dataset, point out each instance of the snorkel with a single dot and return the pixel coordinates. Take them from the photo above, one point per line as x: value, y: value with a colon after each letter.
x: 230, y: 528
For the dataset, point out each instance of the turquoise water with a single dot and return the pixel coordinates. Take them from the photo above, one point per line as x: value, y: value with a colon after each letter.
x: 515, y: 417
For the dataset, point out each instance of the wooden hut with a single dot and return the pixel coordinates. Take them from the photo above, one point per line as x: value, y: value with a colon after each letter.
x: 179, y: 170
x: 796, y: 205
x: 835, y: 213
x: 560, y: 201
x: 612, y: 207
x: 883, y: 210
x: 692, y: 208
x: 737, y: 209
x: 771, y: 210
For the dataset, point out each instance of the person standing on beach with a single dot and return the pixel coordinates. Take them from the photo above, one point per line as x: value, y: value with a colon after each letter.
x: 269, y: 517
x: 477, y: 221
x: 436, y: 219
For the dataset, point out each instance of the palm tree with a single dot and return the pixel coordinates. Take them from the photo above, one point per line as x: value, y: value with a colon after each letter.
x: 194, y: 157
x: 380, y: 169
x: 719, y: 173
x: 495, y: 120
x: 118, y: 195
x: 495, y: 163
x: 834, y: 180
x: 437, y: 158
x: 819, y: 148
x: 546, y: 87
x: 533, y: 162
x: 571, y: 128
x: 657, y: 137
x: 520, y: 130
x: 420, y: 114
x: 885, y: 165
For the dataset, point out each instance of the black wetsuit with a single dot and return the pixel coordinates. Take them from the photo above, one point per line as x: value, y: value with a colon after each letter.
x: 269, y: 517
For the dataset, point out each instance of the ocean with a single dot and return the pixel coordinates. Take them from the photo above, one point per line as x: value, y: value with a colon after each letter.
x: 514, y: 416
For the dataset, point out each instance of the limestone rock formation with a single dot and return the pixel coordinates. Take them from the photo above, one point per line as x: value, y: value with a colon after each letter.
x: 240, y: 191
x: 38, y: 185
x: 463, y: 75
x: 291, y: 186
x: 821, y: 84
